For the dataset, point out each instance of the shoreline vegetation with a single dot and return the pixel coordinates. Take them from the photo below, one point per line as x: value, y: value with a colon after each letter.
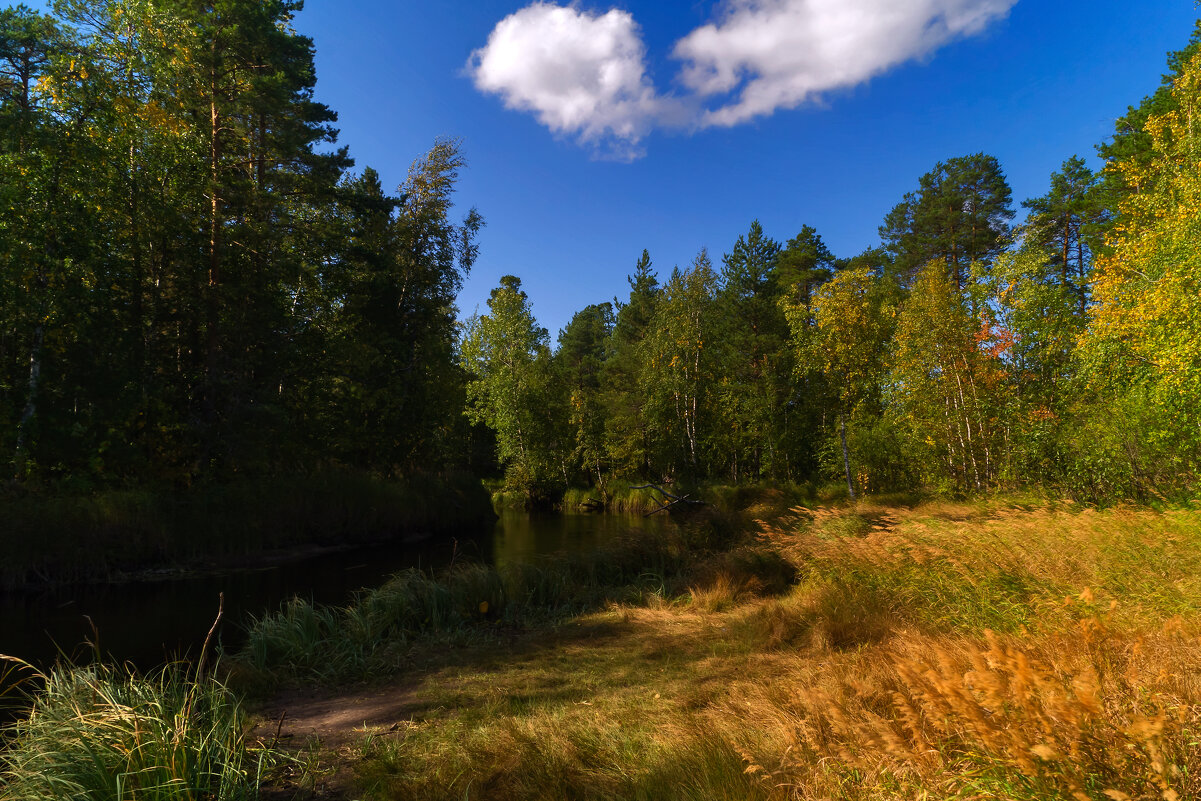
x: 1012, y: 647
x: 629, y: 497
x: 69, y: 538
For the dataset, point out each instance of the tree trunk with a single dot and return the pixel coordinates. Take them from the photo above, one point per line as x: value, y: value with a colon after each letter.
x: 1082, y: 288
x: 31, y: 399
x: 212, y: 302
x: 1067, y: 244
x: 846, y: 459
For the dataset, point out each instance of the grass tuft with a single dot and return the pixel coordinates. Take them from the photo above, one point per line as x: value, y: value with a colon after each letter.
x: 99, y: 733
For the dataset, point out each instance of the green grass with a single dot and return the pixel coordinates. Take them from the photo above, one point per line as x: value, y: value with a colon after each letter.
x: 103, y: 733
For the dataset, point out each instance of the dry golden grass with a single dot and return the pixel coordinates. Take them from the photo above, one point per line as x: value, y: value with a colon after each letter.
x: 1095, y: 694
x: 1007, y: 717
x: 949, y: 651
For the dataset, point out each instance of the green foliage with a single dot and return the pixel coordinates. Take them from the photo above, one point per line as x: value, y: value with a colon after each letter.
x: 959, y: 215
x: 1142, y: 347
x: 191, y: 288
x: 102, y: 733
x: 513, y: 391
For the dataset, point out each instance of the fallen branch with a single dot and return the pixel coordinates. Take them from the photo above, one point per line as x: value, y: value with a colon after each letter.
x: 675, y: 499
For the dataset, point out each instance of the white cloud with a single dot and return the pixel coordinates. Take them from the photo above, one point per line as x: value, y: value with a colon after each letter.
x: 581, y: 74
x: 774, y: 54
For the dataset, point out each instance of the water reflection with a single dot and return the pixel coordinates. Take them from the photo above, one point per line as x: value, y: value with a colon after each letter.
x: 520, y: 537
x: 148, y: 622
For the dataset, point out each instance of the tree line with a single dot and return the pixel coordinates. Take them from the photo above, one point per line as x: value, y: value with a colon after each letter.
x: 194, y: 284
x: 964, y: 353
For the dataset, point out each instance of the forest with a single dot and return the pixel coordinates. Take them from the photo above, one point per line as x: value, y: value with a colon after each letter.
x: 947, y: 543
x: 197, y: 287
x: 967, y: 353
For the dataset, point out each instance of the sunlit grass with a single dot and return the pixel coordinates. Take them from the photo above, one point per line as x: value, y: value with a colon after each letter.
x: 946, y: 651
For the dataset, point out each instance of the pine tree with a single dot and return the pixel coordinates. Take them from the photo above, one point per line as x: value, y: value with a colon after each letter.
x: 959, y: 214
x: 579, y: 364
x: 754, y: 384
x: 627, y: 433
x: 1066, y: 224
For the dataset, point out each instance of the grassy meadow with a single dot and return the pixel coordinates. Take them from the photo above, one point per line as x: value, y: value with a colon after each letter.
x: 984, y: 650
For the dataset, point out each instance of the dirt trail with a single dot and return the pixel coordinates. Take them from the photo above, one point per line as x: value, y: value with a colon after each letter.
x: 333, y: 719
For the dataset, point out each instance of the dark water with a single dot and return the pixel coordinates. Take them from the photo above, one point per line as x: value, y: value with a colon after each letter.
x: 149, y: 622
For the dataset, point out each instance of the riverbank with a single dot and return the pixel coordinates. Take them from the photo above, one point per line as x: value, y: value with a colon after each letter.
x: 624, y: 497
x: 991, y: 649
x: 50, y: 538
x: 869, y: 653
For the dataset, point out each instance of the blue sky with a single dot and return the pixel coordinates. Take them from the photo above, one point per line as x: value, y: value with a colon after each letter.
x: 1029, y: 81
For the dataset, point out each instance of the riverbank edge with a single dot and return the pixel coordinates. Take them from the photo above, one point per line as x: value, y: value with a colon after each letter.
x: 64, y: 538
x: 627, y: 497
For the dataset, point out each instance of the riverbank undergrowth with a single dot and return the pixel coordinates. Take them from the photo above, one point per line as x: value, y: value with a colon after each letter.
x: 986, y: 650
x: 474, y: 602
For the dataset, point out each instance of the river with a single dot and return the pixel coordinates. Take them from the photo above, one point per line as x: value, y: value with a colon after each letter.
x: 150, y: 621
